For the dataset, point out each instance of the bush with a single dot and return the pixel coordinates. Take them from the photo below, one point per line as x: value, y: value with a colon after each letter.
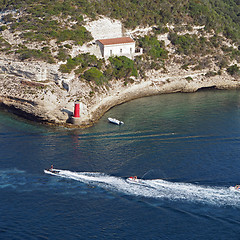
x: 160, y: 30
x: 93, y: 74
x: 67, y: 46
x: 7, y: 18
x: 189, y: 79
x: 79, y: 35
x: 121, y: 67
x: 69, y: 66
x: 26, y: 53
x: 4, y: 45
x: 63, y: 55
x: 211, y: 74
x: 222, y: 62
x: 153, y: 47
x: 233, y: 70
x: 220, y: 15
x: 2, y: 28
x: 189, y: 44
x: 81, y: 61
x: 185, y: 66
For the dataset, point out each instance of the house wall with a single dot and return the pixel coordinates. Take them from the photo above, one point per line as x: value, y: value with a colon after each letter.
x: 125, y: 49
x: 101, y: 46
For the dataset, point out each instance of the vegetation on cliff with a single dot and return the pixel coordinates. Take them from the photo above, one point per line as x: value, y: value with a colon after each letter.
x: 40, y: 21
x: 88, y: 67
x: 154, y: 48
x: 220, y: 15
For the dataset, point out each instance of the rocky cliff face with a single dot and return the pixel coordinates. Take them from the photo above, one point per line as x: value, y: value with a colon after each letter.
x: 39, y: 91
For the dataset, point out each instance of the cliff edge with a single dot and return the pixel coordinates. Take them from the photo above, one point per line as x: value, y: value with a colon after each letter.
x: 40, y: 90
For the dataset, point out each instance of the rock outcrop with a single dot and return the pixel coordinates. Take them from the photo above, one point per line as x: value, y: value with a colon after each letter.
x: 39, y: 91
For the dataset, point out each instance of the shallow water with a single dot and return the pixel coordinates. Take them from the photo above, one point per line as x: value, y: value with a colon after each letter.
x: 185, y: 146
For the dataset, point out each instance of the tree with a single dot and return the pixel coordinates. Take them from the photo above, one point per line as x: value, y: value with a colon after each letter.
x: 93, y: 74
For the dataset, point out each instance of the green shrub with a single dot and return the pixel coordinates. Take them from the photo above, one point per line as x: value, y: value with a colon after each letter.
x: 7, y: 18
x: 91, y: 93
x: 4, y: 45
x: 38, y: 16
x: 216, y: 41
x: 81, y: 61
x: 211, y: 74
x: 2, y: 28
x: 121, y: 67
x: 185, y: 66
x: 26, y: 53
x: 189, y: 79
x: 44, y: 28
x: 79, y: 35
x: 62, y: 54
x: 69, y: 66
x: 93, y: 74
x: 160, y: 30
x: 67, y: 46
x: 222, y: 62
x: 220, y: 15
x: 233, y: 70
x: 189, y: 44
x: 153, y: 47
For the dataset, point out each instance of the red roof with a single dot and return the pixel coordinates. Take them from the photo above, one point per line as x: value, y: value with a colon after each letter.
x: 112, y: 41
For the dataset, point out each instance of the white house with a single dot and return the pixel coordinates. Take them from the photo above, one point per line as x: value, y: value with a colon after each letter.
x: 123, y: 46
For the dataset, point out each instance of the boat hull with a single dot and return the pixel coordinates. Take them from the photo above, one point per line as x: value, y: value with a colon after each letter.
x: 115, y: 121
x: 132, y: 180
x: 234, y: 189
x: 54, y: 172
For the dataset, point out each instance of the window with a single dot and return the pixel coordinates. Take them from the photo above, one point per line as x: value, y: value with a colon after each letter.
x: 130, y: 50
x: 110, y: 52
x: 120, y: 50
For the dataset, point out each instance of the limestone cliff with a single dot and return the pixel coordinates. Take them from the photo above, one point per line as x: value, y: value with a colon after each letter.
x: 47, y: 100
x: 39, y: 91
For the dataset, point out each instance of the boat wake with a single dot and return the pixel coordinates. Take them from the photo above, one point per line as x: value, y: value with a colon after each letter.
x: 158, y: 189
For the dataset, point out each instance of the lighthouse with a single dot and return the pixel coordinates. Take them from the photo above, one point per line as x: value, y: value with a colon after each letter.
x: 76, y: 109
x: 76, y: 115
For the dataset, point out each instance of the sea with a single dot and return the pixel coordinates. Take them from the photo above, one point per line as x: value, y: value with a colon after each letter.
x: 184, y: 148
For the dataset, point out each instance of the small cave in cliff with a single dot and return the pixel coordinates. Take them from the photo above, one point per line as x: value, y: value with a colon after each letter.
x: 206, y: 88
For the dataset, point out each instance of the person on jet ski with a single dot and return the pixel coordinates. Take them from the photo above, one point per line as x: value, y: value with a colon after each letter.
x: 51, y: 169
x: 133, y: 178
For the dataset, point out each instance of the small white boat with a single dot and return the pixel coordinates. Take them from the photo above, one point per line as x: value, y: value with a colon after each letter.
x: 115, y: 121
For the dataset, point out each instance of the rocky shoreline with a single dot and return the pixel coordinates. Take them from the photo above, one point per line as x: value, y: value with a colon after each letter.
x: 39, y: 91
x: 50, y: 103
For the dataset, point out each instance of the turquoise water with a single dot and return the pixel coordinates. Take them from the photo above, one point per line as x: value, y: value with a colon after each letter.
x: 185, y: 146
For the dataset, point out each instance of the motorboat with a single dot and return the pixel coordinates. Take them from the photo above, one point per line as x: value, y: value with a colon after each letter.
x: 115, y: 121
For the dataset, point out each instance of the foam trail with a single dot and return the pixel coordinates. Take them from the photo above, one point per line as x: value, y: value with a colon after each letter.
x: 159, y: 189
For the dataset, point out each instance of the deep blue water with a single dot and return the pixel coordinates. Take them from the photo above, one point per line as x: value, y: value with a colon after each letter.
x: 186, y: 147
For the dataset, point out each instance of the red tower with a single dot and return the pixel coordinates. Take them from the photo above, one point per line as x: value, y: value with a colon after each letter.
x: 77, y: 110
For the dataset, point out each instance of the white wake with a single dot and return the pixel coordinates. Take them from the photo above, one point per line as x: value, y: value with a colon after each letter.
x: 158, y: 189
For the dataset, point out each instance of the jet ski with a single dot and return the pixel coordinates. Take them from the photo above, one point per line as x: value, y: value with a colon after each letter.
x: 52, y: 171
x: 235, y: 188
x: 133, y: 179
